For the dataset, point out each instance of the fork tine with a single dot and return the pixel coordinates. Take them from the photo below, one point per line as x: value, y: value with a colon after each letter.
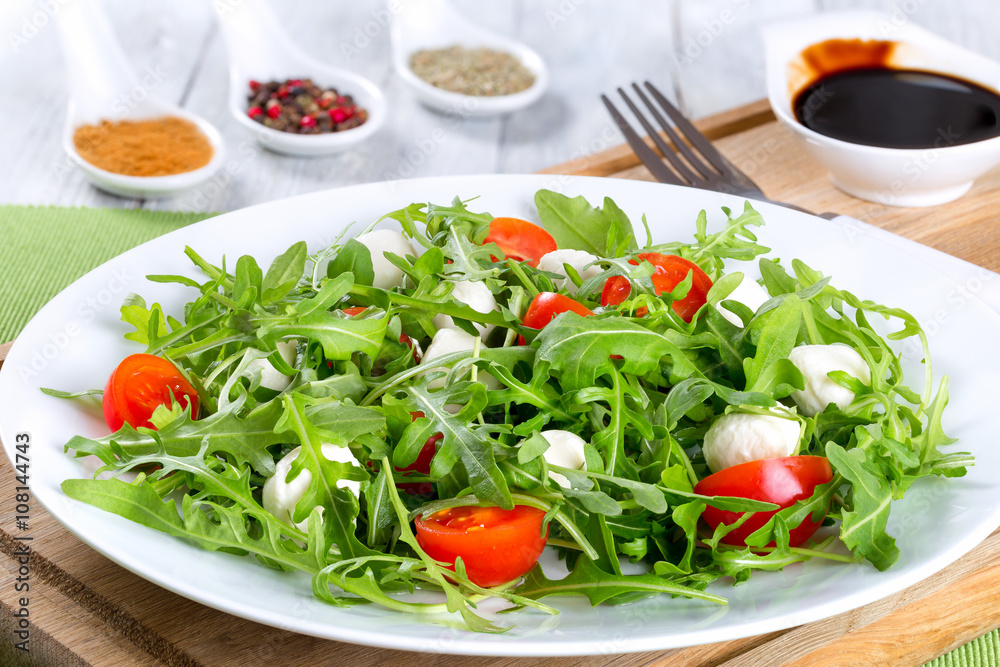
x: 697, y: 139
x: 668, y: 153
x: 699, y: 164
x: 646, y: 154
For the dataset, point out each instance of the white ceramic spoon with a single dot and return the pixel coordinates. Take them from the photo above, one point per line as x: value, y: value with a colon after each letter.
x: 260, y: 51
x: 104, y: 87
x: 434, y: 24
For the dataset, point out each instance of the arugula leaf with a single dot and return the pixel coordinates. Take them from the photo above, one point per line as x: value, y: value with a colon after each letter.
x: 775, y: 339
x: 598, y: 586
x: 247, y: 283
x: 354, y: 258
x: 575, y: 224
x: 284, y: 273
x: 134, y: 312
x: 863, y: 527
x: 579, y: 349
x: 462, y: 440
x: 340, y: 337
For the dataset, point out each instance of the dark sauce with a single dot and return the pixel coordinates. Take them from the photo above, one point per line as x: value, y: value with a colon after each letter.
x: 898, y: 108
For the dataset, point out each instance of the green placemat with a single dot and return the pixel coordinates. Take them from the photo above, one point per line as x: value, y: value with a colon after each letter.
x: 982, y: 652
x: 43, y: 249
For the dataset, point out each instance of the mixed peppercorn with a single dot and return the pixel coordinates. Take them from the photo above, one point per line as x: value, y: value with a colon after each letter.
x: 300, y: 106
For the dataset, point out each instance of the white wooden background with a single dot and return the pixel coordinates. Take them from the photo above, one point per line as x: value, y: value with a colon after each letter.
x: 706, y: 52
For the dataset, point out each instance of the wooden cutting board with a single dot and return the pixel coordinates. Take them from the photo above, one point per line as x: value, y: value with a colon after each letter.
x: 84, y: 609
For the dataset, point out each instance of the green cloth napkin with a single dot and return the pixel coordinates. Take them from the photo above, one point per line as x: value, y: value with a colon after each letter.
x: 44, y: 249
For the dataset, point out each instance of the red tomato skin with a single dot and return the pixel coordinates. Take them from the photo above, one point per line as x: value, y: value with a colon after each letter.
x: 547, y: 305
x: 782, y: 481
x: 616, y: 289
x: 520, y: 239
x: 496, y: 545
x: 671, y: 270
x: 140, y: 384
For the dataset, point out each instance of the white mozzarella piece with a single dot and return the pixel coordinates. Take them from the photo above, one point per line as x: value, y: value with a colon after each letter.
x: 474, y: 294
x: 446, y: 341
x: 566, y: 451
x: 578, y: 259
x: 379, y: 242
x: 738, y: 438
x: 270, y: 378
x: 815, y: 362
x: 750, y: 294
x: 281, y: 497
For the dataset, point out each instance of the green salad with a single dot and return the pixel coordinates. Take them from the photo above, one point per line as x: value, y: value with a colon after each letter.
x: 428, y: 405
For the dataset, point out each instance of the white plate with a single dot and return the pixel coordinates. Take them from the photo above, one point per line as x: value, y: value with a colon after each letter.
x: 75, y: 341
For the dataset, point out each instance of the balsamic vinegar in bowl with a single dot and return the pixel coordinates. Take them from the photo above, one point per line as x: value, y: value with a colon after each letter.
x: 899, y: 108
x: 907, y: 121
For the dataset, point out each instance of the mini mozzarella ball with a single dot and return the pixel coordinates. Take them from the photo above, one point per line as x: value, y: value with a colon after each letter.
x: 474, y: 294
x: 578, y: 259
x: 281, y: 497
x: 380, y: 241
x: 739, y: 437
x: 750, y: 294
x: 270, y: 377
x: 566, y: 451
x: 815, y: 362
x: 446, y: 341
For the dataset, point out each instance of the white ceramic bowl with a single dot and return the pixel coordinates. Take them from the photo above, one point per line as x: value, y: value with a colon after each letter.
x: 890, y: 176
x: 433, y: 24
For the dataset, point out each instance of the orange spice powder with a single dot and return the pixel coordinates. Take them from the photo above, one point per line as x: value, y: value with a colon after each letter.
x: 156, y: 147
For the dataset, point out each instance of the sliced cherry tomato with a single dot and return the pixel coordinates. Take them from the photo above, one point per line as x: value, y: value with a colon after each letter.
x: 140, y: 384
x: 547, y: 305
x: 616, y: 290
x: 496, y: 545
x: 354, y: 311
x: 670, y: 270
x: 781, y: 481
x: 520, y: 239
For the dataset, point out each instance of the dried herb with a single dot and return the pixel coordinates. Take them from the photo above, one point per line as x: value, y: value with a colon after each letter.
x: 481, y: 72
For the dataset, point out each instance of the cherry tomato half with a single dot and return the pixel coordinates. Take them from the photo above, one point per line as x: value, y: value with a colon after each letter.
x: 670, y: 270
x: 140, y: 384
x: 496, y: 545
x: 520, y: 239
x: 547, y: 305
x: 781, y: 481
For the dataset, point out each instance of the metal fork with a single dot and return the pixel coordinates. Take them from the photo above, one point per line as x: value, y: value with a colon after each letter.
x: 695, y: 162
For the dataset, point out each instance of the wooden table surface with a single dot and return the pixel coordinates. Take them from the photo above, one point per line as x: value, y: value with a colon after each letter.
x: 87, y: 610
